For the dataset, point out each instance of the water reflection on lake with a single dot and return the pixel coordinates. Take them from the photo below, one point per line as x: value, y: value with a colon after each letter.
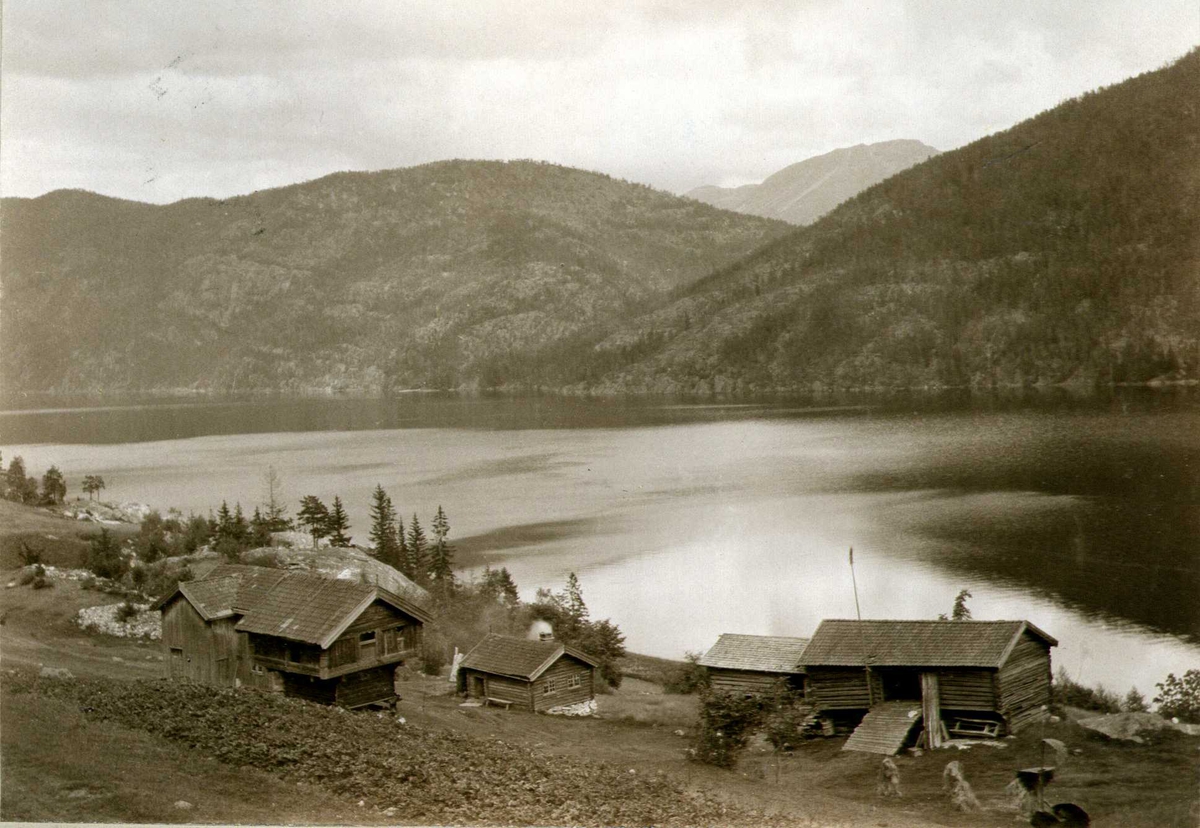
x: 687, y: 522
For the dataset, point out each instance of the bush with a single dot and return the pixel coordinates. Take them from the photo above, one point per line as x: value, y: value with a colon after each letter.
x: 1134, y: 702
x: 125, y: 612
x: 29, y: 555
x: 726, y: 723
x: 1070, y: 693
x: 686, y: 678
x: 433, y: 653
x: 28, y: 574
x: 104, y: 558
x: 1180, y: 697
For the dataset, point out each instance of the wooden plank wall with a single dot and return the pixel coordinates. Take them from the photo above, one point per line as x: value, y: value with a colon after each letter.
x: 560, y: 673
x: 1023, y: 683
x: 210, y: 649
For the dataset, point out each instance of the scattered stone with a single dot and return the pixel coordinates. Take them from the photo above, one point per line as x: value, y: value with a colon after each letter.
x: 103, y: 619
x: 117, y: 658
x: 183, y: 805
x: 10, y: 585
x: 78, y: 793
x: 56, y: 673
x: 389, y: 812
x: 680, y: 733
x: 888, y: 783
x: 401, y: 720
x: 584, y: 708
x: 362, y: 802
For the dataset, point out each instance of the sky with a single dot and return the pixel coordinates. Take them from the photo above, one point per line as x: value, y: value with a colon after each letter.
x: 158, y: 101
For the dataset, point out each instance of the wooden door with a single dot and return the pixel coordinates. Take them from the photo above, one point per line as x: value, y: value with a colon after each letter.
x: 478, y: 687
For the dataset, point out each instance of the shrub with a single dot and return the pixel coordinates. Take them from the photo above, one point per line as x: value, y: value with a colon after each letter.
x: 1070, y: 693
x: 727, y: 721
x: 29, y: 555
x: 125, y: 612
x: 433, y: 653
x: 104, y: 558
x: 40, y: 581
x: 27, y: 575
x: 1180, y: 697
x: 87, y: 582
x: 686, y: 678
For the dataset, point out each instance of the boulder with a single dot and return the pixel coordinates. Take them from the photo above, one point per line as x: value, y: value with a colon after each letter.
x: 1130, y: 727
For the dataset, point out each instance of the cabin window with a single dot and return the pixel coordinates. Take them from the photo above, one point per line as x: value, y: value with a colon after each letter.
x: 550, y: 685
x: 575, y: 681
x: 366, y: 646
x: 257, y: 669
x: 367, y: 638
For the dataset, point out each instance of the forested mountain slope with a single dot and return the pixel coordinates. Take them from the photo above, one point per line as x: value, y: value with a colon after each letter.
x: 1063, y: 250
x: 446, y: 275
x: 803, y: 192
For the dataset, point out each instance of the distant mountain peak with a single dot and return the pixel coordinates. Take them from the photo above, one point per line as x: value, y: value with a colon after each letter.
x: 803, y: 192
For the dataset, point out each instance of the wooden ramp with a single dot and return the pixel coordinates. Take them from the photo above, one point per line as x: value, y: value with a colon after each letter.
x: 885, y: 728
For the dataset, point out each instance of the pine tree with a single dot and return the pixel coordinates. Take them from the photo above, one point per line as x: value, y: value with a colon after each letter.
x: 224, y: 522
x: 338, y: 524
x: 383, y: 526
x: 275, y: 515
x: 418, y: 555
x: 54, y: 487
x: 260, y: 529
x: 441, y: 564
x: 239, y: 527
x: 401, y: 550
x: 314, y: 515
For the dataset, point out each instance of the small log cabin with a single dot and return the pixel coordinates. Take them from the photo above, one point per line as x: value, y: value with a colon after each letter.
x: 323, y: 639
x: 752, y: 664
x: 976, y: 677
x: 532, y: 675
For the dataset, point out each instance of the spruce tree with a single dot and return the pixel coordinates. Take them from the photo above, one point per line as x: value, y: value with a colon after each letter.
x: 401, y: 550
x: 54, y: 487
x: 338, y: 524
x: 224, y: 522
x: 383, y: 526
x: 418, y: 555
x: 441, y: 563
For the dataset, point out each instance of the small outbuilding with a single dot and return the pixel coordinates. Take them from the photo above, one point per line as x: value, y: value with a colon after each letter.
x: 323, y: 639
x: 964, y: 678
x: 532, y: 675
x: 753, y: 664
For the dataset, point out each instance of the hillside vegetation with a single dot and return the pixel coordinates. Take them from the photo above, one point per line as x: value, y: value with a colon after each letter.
x: 445, y: 275
x: 1063, y: 250
x: 803, y: 192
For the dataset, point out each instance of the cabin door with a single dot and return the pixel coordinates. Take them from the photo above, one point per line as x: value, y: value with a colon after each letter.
x: 900, y: 685
x: 478, y: 689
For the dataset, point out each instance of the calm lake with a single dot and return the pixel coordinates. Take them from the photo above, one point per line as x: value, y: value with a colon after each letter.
x: 686, y: 521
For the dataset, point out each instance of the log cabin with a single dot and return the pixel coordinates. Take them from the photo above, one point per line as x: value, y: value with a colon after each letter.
x: 751, y: 664
x: 323, y: 639
x: 965, y: 678
x: 532, y: 675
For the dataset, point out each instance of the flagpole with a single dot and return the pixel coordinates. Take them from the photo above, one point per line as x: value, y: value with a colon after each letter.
x: 862, y: 632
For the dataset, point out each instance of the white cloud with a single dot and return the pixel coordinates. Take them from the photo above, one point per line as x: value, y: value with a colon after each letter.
x: 157, y: 101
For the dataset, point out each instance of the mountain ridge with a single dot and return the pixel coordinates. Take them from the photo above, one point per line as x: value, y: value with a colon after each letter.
x: 803, y: 192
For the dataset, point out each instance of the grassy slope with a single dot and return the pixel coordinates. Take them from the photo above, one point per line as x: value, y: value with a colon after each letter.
x: 448, y: 274
x: 60, y: 540
x: 1066, y: 249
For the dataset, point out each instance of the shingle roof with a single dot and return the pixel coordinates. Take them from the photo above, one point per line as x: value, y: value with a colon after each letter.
x: 307, y: 608
x: 915, y: 643
x: 253, y: 582
x: 518, y: 657
x: 213, y: 597
x: 761, y: 653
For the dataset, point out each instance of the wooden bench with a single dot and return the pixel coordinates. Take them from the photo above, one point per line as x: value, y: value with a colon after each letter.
x: 497, y: 702
x: 975, y: 727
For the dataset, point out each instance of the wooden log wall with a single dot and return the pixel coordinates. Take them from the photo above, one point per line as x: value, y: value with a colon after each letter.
x: 366, y: 687
x: 323, y: 691
x: 568, y: 681
x: 503, y: 688
x: 967, y: 689
x: 743, y: 681
x: 1023, y: 683
x: 838, y: 688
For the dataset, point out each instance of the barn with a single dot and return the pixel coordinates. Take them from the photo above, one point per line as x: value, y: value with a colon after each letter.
x: 533, y: 675
x: 323, y: 639
x: 751, y: 664
x: 962, y: 678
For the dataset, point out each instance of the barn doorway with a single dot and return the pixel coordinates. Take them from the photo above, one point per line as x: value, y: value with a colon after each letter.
x: 900, y: 685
